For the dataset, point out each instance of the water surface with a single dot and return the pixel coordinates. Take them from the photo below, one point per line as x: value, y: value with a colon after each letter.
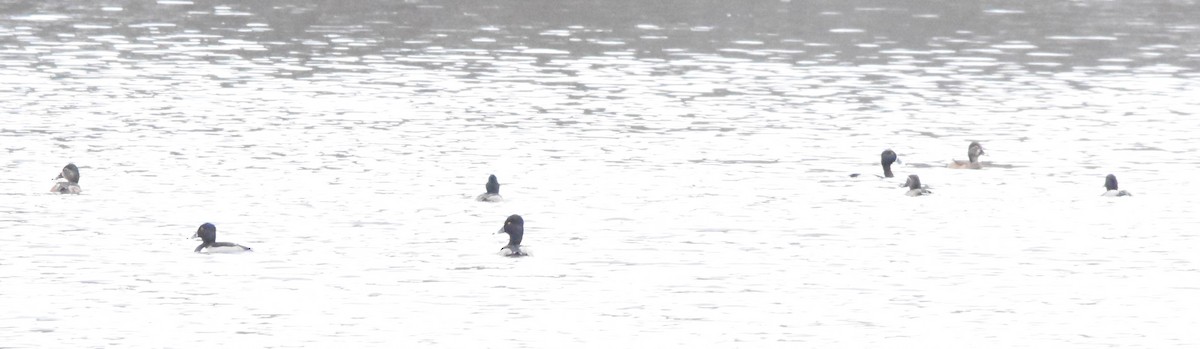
x: 683, y: 169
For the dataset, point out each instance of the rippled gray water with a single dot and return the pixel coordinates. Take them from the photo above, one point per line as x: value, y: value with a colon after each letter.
x: 682, y: 167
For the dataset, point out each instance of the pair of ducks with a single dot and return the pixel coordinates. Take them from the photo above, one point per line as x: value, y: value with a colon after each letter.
x: 207, y: 231
x: 914, y: 183
x: 888, y: 157
x: 973, y: 152
x: 71, y: 186
x: 514, y: 226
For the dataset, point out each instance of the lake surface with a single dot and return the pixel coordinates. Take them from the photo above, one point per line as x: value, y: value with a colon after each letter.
x: 683, y: 168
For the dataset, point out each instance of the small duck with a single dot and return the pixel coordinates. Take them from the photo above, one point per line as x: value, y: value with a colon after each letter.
x: 71, y: 186
x: 208, y: 233
x: 514, y: 226
x: 1110, y: 183
x: 914, y: 186
x: 887, y: 158
x: 493, y: 191
x: 973, y: 152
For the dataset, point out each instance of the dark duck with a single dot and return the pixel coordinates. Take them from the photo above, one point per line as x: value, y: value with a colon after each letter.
x: 514, y: 226
x: 493, y: 191
x: 208, y: 233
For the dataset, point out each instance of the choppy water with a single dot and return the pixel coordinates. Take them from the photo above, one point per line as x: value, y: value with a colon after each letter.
x: 682, y: 168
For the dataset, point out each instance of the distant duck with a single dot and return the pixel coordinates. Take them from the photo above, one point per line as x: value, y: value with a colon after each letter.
x: 493, y: 191
x: 973, y: 152
x: 208, y: 233
x: 514, y: 226
x: 1110, y: 183
x: 71, y: 186
x: 887, y: 158
x: 914, y: 187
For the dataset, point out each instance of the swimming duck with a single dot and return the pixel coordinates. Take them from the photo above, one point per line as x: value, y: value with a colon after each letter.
x: 1110, y: 183
x: 514, y: 226
x: 493, y: 191
x: 208, y: 233
x: 71, y: 186
x: 887, y: 158
x: 914, y: 186
x: 973, y: 152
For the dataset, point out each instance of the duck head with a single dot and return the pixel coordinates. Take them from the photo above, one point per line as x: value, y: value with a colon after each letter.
x: 207, y: 233
x: 913, y: 182
x: 514, y: 226
x: 70, y: 172
x: 493, y: 185
x: 1110, y: 182
x: 887, y: 158
x: 974, y: 151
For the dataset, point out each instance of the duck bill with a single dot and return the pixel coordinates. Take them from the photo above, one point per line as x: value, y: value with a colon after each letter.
x: 501, y: 231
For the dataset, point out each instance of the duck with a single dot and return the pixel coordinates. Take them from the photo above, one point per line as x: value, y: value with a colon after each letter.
x: 1110, y: 183
x: 514, y: 226
x: 493, y: 191
x: 71, y: 186
x: 914, y: 187
x: 208, y: 233
x: 887, y: 158
x: 973, y: 152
